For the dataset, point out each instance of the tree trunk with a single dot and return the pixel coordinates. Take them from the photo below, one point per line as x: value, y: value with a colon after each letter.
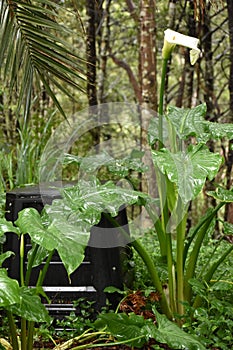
x: 147, y: 54
x: 185, y: 93
x: 104, y: 51
x: 91, y: 52
x: 148, y: 86
x: 91, y: 10
x: 209, y: 70
x: 229, y: 160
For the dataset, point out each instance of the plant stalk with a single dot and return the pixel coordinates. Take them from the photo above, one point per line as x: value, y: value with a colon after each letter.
x: 44, y: 270
x: 190, y: 269
x: 154, y: 276
x: 171, y: 277
x: 161, y: 100
x: 199, y: 225
x: 181, y: 229
x: 23, y: 334
x: 13, y: 331
x: 31, y: 325
x: 38, y: 284
x: 84, y: 346
x: 159, y: 230
x: 30, y: 264
x: 21, y: 263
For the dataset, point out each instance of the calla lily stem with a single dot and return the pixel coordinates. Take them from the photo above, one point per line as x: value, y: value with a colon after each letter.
x: 161, y: 100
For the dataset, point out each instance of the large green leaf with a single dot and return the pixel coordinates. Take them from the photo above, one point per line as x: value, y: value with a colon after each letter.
x: 136, y: 331
x: 188, y: 170
x: 30, y: 306
x: 60, y: 234
x: 218, y: 131
x: 169, y: 333
x: 120, y: 167
x: 188, y: 122
x: 191, y: 122
x: 124, y: 327
x: 90, y: 196
x: 9, y: 290
x: 66, y: 224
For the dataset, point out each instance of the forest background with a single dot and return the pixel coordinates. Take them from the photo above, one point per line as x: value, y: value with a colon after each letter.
x: 111, y: 51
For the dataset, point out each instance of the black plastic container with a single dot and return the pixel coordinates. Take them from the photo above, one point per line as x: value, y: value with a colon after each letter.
x: 101, y: 267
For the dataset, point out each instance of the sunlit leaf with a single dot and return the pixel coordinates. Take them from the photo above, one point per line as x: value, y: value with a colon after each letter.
x: 188, y: 121
x: 222, y: 195
x: 188, y: 170
x: 169, y: 333
x: 65, y: 237
x: 9, y: 290
x: 30, y: 306
x: 191, y: 122
x: 7, y: 226
x: 120, y: 167
x: 95, y: 197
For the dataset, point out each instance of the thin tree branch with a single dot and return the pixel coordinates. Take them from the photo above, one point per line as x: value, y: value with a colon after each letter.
x: 132, y: 9
x: 131, y: 76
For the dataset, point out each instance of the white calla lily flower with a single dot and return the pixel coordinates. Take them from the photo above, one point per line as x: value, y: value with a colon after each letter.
x: 172, y: 38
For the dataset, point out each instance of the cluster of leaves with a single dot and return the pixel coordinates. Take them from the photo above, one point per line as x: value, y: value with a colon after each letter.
x: 30, y: 45
x: 213, y: 320
x: 135, y: 330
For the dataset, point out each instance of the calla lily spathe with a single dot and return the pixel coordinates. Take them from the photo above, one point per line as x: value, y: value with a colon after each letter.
x: 172, y: 38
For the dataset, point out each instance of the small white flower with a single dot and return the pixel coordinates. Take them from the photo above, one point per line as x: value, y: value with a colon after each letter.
x: 172, y: 38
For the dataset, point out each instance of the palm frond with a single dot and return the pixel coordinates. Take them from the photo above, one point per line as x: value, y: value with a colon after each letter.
x: 32, y: 46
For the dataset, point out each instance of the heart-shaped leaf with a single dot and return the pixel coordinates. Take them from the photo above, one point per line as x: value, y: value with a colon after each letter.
x: 124, y: 327
x: 65, y: 237
x: 188, y: 170
x: 188, y: 122
x: 169, y: 333
x: 30, y: 306
x: 191, y: 122
x: 9, y: 290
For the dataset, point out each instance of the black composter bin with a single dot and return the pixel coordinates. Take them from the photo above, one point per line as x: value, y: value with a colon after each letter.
x: 101, y: 267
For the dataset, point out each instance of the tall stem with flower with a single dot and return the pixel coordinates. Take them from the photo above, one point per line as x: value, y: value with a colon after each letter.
x: 181, y: 173
x: 172, y: 39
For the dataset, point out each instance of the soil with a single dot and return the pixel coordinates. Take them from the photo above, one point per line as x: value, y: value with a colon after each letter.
x: 149, y: 346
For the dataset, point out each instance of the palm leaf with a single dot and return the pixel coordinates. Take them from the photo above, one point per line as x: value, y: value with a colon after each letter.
x: 33, y: 47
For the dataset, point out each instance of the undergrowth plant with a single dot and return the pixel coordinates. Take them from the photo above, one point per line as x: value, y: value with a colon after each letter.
x: 182, y: 163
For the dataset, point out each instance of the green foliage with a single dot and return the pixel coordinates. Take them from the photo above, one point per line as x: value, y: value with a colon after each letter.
x: 191, y: 122
x: 213, y: 320
x: 9, y: 294
x: 121, y: 168
x: 136, y: 331
x: 32, y: 50
x: 29, y: 306
x: 63, y: 226
x: 188, y: 170
x: 52, y: 236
